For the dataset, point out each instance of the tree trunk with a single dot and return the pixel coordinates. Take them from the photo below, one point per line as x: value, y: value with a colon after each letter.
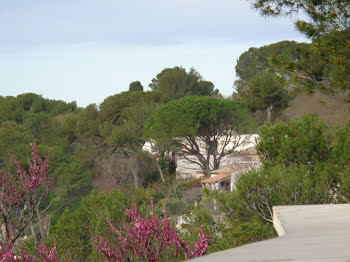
x: 160, y: 170
x: 48, y: 225
x: 269, y: 112
x: 216, y: 162
x: 207, y: 170
x: 33, y: 232
x: 135, y: 172
x: 6, y: 228
x: 40, y: 222
x: 3, y: 231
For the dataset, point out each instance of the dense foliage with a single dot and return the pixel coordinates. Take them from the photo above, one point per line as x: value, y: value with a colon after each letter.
x: 258, y: 60
x: 76, y: 229
x: 135, y: 86
x: 177, y: 83
x: 270, y: 76
x: 327, y: 24
x: 302, y: 164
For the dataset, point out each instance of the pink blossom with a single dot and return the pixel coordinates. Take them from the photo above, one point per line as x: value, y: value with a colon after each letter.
x: 18, y: 200
x: 146, y: 238
x: 6, y: 254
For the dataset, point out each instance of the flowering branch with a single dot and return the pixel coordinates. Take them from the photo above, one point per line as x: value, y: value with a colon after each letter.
x: 20, y: 195
x: 146, y: 238
x: 6, y: 254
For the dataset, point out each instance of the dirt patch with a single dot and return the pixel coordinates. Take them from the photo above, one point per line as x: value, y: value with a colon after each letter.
x: 334, y: 109
x: 105, y: 184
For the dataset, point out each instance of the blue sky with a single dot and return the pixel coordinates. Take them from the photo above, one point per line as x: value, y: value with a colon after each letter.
x: 87, y: 50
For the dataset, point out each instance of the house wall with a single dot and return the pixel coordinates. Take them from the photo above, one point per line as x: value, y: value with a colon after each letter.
x: 187, y: 167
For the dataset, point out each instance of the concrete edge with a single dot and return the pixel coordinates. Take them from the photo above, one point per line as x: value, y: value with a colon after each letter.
x: 277, y: 223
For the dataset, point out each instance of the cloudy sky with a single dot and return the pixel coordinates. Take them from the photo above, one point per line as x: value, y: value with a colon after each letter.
x: 87, y: 50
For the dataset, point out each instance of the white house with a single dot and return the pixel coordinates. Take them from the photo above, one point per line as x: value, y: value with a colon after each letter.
x: 224, y: 179
x: 244, y: 154
x: 189, y: 170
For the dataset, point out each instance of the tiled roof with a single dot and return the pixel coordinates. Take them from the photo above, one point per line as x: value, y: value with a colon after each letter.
x: 230, y: 169
x: 250, y: 152
x: 216, y: 178
x: 226, y: 169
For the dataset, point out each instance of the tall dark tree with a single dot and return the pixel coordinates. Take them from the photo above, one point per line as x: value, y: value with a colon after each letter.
x: 176, y: 83
x: 261, y: 83
x: 257, y: 60
x: 135, y: 86
x: 327, y: 24
x: 266, y: 91
x: 111, y: 108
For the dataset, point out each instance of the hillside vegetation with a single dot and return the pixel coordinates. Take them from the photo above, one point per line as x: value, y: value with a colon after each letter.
x: 78, y: 186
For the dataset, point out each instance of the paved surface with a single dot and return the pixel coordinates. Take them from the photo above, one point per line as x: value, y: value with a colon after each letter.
x: 316, y: 233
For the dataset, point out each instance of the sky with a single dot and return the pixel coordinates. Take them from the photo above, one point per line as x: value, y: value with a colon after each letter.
x: 87, y: 50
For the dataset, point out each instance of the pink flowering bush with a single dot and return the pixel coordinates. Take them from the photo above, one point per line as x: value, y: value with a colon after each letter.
x: 7, y: 255
x: 19, y: 195
x: 46, y: 254
x: 147, y: 239
x: 19, y: 198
